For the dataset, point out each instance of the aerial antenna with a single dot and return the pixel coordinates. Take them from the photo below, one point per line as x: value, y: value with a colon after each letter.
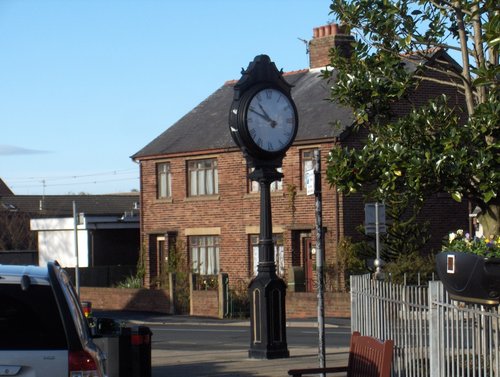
x: 306, y: 42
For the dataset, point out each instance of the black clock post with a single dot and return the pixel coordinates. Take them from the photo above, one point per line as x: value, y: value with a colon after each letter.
x: 263, y: 122
x: 267, y: 291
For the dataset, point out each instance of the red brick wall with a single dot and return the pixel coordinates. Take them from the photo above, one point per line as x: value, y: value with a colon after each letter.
x: 305, y: 305
x: 234, y: 209
x: 151, y: 300
x: 205, y: 303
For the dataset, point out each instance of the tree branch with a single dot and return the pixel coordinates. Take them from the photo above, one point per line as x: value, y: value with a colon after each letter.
x: 478, y: 48
x: 448, y: 6
x: 469, y: 98
x: 439, y: 45
x: 441, y: 82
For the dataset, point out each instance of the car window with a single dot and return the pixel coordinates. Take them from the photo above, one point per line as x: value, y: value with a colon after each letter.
x: 30, y: 319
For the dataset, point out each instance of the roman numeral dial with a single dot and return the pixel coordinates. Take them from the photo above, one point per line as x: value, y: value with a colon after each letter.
x: 271, y: 120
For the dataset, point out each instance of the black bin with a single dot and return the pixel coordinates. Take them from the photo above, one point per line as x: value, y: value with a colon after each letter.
x: 135, y: 351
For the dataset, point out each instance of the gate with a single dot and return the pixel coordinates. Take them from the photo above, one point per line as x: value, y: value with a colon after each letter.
x: 236, y: 300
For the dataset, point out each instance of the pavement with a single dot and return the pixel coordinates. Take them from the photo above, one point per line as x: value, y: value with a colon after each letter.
x: 235, y: 362
x: 152, y: 319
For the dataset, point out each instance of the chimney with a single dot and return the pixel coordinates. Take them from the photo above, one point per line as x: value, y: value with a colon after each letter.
x: 325, y: 38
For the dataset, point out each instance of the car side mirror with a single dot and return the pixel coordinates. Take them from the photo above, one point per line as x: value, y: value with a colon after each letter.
x: 100, y: 327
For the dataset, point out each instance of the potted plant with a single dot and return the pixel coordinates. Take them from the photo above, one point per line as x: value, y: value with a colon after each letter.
x: 470, y: 268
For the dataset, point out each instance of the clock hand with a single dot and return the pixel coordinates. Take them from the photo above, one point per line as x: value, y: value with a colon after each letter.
x: 265, y: 117
x: 265, y: 113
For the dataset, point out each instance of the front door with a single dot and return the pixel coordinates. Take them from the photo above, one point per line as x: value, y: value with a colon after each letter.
x: 308, y: 263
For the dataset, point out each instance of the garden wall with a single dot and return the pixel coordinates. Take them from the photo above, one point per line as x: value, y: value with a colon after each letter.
x: 207, y: 303
x: 305, y: 304
x: 149, y: 300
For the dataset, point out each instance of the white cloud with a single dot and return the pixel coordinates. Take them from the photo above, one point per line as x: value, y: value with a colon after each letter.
x: 8, y: 150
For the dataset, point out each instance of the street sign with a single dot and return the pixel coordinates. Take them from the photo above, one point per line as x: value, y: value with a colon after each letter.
x: 371, y: 219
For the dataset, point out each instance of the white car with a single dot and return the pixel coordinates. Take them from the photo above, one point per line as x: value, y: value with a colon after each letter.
x: 43, y: 332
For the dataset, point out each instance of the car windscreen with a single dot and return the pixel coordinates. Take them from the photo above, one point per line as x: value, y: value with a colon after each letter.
x: 30, y: 319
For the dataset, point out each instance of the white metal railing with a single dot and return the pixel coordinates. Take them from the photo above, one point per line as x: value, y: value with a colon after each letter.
x: 433, y: 335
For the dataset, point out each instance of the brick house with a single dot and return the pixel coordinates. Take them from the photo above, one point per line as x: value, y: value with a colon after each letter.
x: 194, y: 186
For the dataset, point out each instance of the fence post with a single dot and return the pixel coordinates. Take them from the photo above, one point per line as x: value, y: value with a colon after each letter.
x: 354, y: 312
x: 223, y: 281
x: 434, y: 329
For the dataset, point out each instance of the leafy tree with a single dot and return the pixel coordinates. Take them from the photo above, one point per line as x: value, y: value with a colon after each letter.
x: 444, y: 145
x: 15, y: 233
x: 410, y: 268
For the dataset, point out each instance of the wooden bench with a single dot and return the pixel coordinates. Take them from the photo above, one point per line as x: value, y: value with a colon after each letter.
x: 368, y: 357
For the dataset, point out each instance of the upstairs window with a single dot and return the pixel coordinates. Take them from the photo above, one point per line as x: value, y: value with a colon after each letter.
x: 203, y: 177
x: 307, y: 157
x: 275, y: 186
x: 163, y: 181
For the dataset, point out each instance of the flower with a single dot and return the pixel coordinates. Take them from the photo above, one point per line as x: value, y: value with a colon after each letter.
x: 462, y: 242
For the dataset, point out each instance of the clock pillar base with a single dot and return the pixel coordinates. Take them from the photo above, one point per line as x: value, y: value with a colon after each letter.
x: 267, y: 317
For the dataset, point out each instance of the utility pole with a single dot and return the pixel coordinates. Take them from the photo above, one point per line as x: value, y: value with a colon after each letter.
x: 77, y: 271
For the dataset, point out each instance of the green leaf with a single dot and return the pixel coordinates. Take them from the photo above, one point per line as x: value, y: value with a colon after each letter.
x: 489, y: 195
x: 456, y: 196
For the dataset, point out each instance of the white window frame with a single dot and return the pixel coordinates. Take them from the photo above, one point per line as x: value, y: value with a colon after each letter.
x: 279, y: 253
x: 202, y: 177
x: 163, y: 180
x: 307, y: 164
x: 204, y: 254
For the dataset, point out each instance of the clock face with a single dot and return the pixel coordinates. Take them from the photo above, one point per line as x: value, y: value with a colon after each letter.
x: 271, y: 120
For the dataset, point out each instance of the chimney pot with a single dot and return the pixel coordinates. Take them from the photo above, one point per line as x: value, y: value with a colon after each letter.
x: 327, y: 37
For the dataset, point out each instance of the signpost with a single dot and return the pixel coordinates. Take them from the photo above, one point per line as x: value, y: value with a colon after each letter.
x: 375, y: 224
x: 320, y: 255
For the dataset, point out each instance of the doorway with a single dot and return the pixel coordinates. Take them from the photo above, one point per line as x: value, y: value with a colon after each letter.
x: 307, y: 252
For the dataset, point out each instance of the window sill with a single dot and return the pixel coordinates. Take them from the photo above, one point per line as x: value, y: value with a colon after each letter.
x: 201, y: 198
x: 303, y: 193
x: 164, y: 200
x: 256, y: 195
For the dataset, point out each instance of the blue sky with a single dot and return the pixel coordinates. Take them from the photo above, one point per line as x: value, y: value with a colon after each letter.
x: 84, y: 84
